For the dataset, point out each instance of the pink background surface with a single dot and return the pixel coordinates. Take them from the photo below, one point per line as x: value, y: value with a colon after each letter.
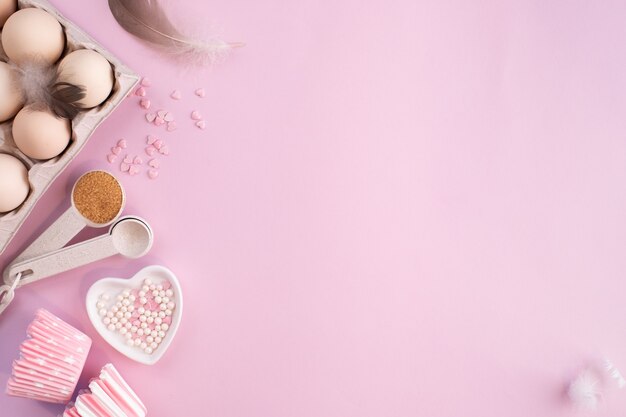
x: 401, y: 208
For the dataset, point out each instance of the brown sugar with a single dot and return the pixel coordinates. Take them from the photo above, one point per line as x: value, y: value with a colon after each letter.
x: 98, y: 196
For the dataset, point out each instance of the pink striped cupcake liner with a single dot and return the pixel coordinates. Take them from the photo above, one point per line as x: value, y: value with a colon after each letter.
x: 108, y: 396
x: 51, y: 360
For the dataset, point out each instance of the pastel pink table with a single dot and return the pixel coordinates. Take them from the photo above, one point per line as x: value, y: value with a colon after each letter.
x: 409, y: 208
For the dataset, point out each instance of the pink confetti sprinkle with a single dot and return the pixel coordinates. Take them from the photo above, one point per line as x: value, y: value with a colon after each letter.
x: 165, y: 150
x: 201, y: 124
x: 200, y: 92
x: 159, y: 121
x: 116, y: 150
x: 151, y: 139
x: 176, y: 95
x: 150, y: 150
x: 161, y: 114
x: 154, y: 163
x: 138, y: 160
x: 111, y: 158
x: 133, y: 170
x: 122, y: 143
x: 146, y: 82
x: 158, y: 143
x: 153, y: 174
x: 195, y: 115
x: 169, y: 117
x: 128, y: 159
x: 145, y: 103
x: 171, y: 126
x: 140, y: 92
x: 150, y: 117
x: 124, y: 167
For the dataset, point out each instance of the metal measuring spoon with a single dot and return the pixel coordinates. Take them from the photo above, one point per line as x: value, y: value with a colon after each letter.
x: 131, y: 237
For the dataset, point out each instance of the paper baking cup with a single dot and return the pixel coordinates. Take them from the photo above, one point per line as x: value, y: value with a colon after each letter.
x: 51, y: 360
x: 108, y: 395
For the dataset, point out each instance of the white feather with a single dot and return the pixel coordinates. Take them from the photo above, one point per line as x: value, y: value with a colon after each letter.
x: 585, y: 391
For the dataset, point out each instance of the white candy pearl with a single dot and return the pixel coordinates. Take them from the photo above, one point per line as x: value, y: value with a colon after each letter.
x: 147, y: 281
x: 144, y: 325
x: 157, y: 299
x: 143, y: 300
x: 139, y: 332
x: 123, y: 320
x: 141, y: 310
x: 171, y: 305
x: 100, y: 304
x: 114, y: 309
x: 125, y: 302
x: 154, y: 345
x: 152, y: 287
x: 126, y: 293
x: 157, y: 327
x: 110, y: 314
x: 159, y: 287
x: 145, y: 289
x: 150, y: 320
x: 158, y: 339
x: 166, y: 299
x: 123, y: 330
x: 169, y: 293
x: 162, y: 314
x: 143, y: 345
x: 161, y: 293
x: 111, y: 327
x: 154, y: 314
x: 168, y: 312
x: 149, y: 339
x: 118, y: 326
x: 148, y: 350
x: 102, y: 312
x: 142, y: 318
x: 114, y: 320
x: 119, y: 297
x: 106, y: 320
x: 158, y: 320
x: 130, y: 308
x: 128, y: 335
x: 124, y: 309
x: 155, y: 293
x: 134, y: 329
x: 119, y: 314
x: 127, y: 315
x: 161, y: 334
x: 163, y: 306
x: 165, y: 326
x: 105, y: 297
x: 132, y: 298
x: 154, y: 333
x: 137, y: 342
x: 128, y: 325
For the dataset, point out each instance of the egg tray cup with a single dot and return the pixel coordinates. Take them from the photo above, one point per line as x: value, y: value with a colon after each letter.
x: 42, y: 173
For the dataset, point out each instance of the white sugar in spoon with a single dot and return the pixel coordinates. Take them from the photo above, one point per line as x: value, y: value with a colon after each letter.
x: 131, y: 237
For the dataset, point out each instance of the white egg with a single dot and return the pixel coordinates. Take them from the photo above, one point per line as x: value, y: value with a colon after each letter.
x: 33, y: 35
x: 91, y: 71
x: 7, y: 8
x: 11, y: 98
x: 39, y: 134
x: 14, y: 186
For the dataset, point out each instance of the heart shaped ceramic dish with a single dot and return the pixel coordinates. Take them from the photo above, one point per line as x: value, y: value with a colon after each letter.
x: 139, y: 316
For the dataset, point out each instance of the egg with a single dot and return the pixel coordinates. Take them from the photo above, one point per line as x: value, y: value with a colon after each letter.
x: 32, y: 35
x: 14, y: 186
x: 90, y: 70
x: 39, y: 134
x: 7, y: 8
x: 11, y: 98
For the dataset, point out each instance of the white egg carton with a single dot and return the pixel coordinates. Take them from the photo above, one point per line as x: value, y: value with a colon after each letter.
x: 42, y: 173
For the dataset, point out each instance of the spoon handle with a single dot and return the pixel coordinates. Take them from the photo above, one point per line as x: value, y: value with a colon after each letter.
x: 64, y: 259
x: 68, y: 225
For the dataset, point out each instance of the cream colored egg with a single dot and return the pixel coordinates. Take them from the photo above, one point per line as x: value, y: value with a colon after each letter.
x: 32, y: 35
x: 90, y: 70
x: 11, y: 98
x: 39, y: 134
x: 14, y: 186
x: 7, y: 8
